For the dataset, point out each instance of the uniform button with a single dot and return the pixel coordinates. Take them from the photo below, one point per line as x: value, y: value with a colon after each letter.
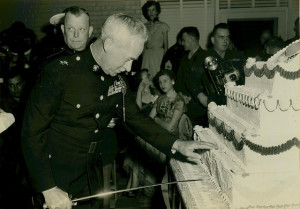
x: 97, y: 115
x: 95, y: 68
x: 77, y: 58
x: 78, y: 106
x: 117, y: 105
x: 101, y: 97
x: 102, y: 78
x: 50, y: 156
x: 96, y: 131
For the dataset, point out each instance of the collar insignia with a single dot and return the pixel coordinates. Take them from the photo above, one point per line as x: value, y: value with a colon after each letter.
x: 63, y: 62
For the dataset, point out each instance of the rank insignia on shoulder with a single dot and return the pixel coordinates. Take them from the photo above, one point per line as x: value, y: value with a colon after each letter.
x: 63, y: 62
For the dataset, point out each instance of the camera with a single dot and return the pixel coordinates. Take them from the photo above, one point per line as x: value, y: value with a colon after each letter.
x: 221, y: 73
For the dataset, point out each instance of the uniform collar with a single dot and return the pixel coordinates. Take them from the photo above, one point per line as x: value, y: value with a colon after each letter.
x: 93, y: 65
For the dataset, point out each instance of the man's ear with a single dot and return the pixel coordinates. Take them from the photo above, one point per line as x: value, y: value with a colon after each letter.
x: 90, y: 31
x: 212, y: 40
x: 62, y: 27
x: 107, y: 44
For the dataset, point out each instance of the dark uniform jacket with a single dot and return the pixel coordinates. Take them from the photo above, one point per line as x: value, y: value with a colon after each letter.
x: 190, y: 86
x: 69, y: 108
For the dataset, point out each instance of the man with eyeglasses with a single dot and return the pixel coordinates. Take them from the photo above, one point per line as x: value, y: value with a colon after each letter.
x: 73, y: 103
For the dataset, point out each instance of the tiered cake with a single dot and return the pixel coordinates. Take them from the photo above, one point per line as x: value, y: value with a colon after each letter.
x: 258, y: 132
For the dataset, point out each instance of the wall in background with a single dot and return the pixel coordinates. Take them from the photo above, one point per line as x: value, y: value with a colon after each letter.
x: 36, y: 13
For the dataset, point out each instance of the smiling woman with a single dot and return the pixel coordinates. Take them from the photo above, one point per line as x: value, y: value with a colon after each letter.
x: 157, y: 43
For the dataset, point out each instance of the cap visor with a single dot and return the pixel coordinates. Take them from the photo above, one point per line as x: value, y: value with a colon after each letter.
x: 56, y: 18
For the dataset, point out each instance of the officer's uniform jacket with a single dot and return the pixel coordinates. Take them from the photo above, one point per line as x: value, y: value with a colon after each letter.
x: 69, y: 108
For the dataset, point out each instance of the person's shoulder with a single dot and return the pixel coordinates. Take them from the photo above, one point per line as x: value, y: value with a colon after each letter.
x: 60, y: 63
x: 163, y: 25
x: 200, y: 52
x: 210, y: 51
x: 179, y: 97
x: 179, y: 100
x: 236, y: 54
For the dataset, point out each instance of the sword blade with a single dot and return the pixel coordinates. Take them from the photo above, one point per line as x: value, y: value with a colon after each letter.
x: 101, y: 194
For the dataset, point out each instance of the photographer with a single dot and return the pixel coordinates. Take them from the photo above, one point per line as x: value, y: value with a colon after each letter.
x: 228, y: 65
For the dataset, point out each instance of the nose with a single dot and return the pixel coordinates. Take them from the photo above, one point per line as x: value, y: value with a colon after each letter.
x: 128, y: 65
x: 76, y: 33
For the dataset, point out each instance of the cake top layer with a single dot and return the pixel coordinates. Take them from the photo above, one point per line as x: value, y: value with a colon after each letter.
x: 285, y: 62
x: 275, y: 83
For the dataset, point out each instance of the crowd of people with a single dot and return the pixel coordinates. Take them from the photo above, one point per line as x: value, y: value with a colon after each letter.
x: 66, y: 95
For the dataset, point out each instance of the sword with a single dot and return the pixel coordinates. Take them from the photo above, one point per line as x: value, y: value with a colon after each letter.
x: 102, y: 194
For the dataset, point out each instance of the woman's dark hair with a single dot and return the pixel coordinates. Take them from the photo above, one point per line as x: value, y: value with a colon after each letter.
x: 138, y: 76
x: 149, y: 4
x: 169, y: 73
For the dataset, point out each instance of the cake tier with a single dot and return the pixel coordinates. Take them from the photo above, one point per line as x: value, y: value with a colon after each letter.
x: 259, y: 150
x: 221, y: 164
x: 270, y: 116
x: 266, y: 190
x: 244, y: 189
x: 279, y: 74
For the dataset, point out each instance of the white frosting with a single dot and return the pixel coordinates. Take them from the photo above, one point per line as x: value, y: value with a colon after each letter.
x: 6, y: 120
x: 264, y: 112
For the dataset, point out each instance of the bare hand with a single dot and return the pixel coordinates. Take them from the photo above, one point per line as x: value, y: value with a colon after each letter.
x: 189, y: 148
x: 57, y: 198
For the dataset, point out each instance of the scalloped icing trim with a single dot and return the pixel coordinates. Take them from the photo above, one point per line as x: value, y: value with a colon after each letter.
x: 254, y: 98
x: 230, y: 120
x: 269, y: 67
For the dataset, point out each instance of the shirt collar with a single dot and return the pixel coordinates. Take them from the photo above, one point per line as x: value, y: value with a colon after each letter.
x: 191, y: 53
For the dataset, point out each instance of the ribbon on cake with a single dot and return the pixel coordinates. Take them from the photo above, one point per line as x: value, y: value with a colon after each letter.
x: 230, y: 136
x: 271, y: 73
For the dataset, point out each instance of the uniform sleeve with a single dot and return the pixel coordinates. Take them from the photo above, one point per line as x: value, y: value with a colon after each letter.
x: 145, y: 127
x: 39, y: 112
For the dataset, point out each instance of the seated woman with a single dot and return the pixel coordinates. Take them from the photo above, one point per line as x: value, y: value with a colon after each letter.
x: 146, y: 93
x: 169, y: 107
x: 167, y: 112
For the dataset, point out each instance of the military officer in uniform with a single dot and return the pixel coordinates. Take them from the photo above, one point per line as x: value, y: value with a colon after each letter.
x: 74, y: 24
x: 72, y: 104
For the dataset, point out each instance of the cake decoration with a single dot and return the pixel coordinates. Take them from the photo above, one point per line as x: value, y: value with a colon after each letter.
x: 259, y: 127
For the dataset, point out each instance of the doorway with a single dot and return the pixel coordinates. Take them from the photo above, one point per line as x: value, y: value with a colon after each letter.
x: 245, y: 33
